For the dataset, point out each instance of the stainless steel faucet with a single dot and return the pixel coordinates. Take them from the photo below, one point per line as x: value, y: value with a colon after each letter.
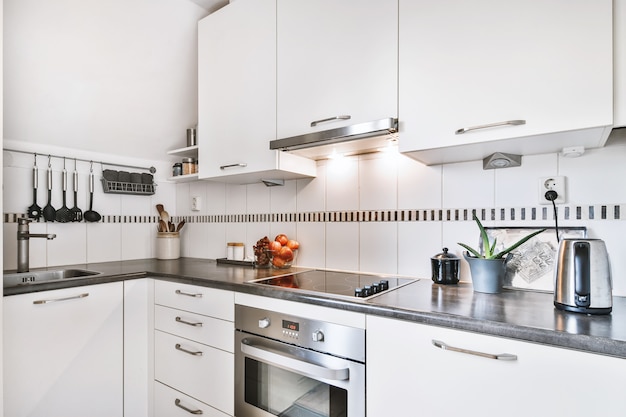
x: 23, y: 247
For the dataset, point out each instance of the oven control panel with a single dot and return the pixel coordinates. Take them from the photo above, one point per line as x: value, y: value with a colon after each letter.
x: 309, y: 333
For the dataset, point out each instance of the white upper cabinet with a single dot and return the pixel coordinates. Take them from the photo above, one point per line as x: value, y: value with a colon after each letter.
x: 336, y: 58
x: 237, y: 96
x: 619, y: 19
x: 470, y: 71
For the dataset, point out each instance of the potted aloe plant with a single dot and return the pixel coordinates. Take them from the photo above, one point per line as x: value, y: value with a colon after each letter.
x: 488, y: 269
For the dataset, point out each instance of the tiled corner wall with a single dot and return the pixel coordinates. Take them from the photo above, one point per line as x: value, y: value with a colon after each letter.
x: 380, y: 213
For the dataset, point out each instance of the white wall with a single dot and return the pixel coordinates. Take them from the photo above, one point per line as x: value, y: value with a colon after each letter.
x: 115, y: 76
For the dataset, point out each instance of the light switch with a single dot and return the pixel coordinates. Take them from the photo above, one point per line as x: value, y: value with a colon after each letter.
x: 196, y: 203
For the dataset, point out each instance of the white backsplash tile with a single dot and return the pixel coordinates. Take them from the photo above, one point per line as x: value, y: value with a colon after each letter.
x: 342, y: 184
x: 258, y: 198
x: 378, y: 181
x: 70, y: 245
x: 194, y: 241
x: 235, y: 199
x: 378, y: 247
x: 103, y: 242
x: 417, y: 242
x: 283, y: 198
x: 419, y: 186
x: 311, y: 192
x: 520, y: 185
x: 466, y: 184
x: 595, y: 177
x: 136, y: 241
x: 312, y: 250
x: 342, y: 246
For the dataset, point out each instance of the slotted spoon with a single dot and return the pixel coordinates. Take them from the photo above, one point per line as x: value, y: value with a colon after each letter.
x: 77, y: 214
x: 34, y: 211
x: 64, y: 214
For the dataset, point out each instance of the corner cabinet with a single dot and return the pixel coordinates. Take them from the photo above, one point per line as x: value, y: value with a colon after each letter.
x: 63, y: 352
x: 237, y: 97
x: 335, y: 58
x: 445, y: 372
x: 472, y: 72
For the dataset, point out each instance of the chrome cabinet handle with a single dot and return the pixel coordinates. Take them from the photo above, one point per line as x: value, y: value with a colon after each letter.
x: 197, y: 295
x: 293, y: 364
x: 242, y: 165
x: 344, y: 117
x: 497, y: 356
x: 179, y: 320
x: 54, y: 300
x: 189, y: 410
x: 487, y: 126
x: 179, y: 347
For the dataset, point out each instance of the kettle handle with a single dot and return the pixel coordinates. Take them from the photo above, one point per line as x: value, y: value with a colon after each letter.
x: 582, y: 268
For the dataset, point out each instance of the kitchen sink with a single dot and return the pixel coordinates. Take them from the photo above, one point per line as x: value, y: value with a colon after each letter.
x: 40, y: 277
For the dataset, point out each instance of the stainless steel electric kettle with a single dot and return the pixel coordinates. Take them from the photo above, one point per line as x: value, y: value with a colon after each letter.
x: 583, y: 277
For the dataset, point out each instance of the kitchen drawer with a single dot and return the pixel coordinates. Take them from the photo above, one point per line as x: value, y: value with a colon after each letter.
x: 207, y: 330
x: 207, y: 375
x: 200, y: 300
x: 166, y: 400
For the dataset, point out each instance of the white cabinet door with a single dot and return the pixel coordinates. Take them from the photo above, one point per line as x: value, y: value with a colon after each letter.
x: 171, y: 403
x: 619, y: 19
x: 201, y: 300
x: 470, y: 64
x: 237, y: 95
x: 198, y: 370
x: 63, y: 352
x: 407, y: 373
x: 138, y: 347
x: 335, y: 58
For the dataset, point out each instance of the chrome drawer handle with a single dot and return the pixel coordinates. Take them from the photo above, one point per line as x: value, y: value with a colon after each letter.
x: 189, y: 410
x: 242, y: 165
x: 180, y: 320
x: 54, y: 300
x: 178, y: 347
x: 197, y: 295
x: 497, y: 356
x: 487, y: 126
x: 344, y: 117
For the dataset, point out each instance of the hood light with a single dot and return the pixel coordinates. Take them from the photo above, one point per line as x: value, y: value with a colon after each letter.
x: 502, y: 160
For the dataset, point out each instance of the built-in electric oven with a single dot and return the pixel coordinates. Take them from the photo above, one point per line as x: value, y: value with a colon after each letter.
x: 292, y: 366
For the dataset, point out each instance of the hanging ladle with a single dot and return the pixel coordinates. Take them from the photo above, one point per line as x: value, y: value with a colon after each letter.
x: 64, y: 214
x: 77, y: 214
x: 49, y: 213
x: 90, y: 215
x: 34, y: 211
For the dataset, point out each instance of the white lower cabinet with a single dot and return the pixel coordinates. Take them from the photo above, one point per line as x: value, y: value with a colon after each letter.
x: 193, y: 346
x: 408, y: 375
x: 170, y: 403
x: 63, y: 352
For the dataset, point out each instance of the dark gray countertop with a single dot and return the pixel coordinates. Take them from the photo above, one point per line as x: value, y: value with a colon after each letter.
x: 522, y: 315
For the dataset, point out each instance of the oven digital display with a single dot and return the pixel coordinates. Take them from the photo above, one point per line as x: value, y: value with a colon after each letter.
x: 291, y: 325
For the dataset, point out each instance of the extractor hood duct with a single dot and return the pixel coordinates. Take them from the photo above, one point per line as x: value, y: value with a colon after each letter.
x: 354, y: 139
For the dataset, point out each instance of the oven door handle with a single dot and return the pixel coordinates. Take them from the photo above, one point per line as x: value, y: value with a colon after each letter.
x: 291, y: 364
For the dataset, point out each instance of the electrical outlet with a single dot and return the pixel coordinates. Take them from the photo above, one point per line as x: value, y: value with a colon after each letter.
x: 552, y: 183
x: 196, y: 202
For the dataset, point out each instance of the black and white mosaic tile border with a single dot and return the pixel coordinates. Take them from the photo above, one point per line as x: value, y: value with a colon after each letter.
x: 513, y: 214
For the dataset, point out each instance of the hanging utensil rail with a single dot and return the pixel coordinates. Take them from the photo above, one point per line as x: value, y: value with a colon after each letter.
x: 152, y: 170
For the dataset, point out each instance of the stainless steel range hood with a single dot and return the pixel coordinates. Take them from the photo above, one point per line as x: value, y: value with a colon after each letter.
x: 354, y: 139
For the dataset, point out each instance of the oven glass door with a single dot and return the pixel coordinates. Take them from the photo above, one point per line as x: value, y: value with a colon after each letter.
x: 285, y: 381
